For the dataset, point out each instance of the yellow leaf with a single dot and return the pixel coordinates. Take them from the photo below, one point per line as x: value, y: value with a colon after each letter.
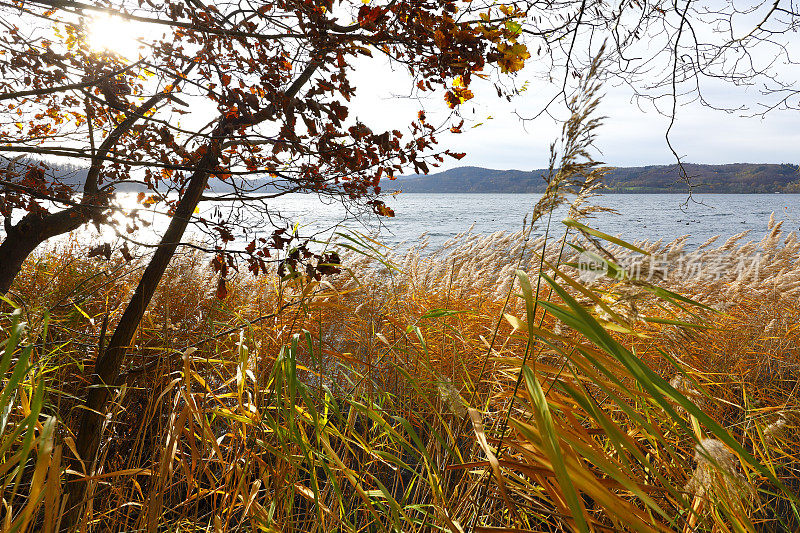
x: 514, y: 56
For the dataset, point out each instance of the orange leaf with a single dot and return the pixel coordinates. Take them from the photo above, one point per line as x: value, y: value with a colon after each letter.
x: 222, y: 290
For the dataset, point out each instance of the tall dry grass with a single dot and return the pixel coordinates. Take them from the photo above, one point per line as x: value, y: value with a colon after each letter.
x: 379, y: 399
x: 496, y: 384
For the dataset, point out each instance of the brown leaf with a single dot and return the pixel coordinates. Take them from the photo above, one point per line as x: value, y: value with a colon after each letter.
x: 126, y: 253
x: 100, y: 250
x: 222, y: 289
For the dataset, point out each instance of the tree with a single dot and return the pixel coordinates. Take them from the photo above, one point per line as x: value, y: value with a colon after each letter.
x: 240, y: 65
x: 275, y: 81
x: 240, y: 91
x: 63, y: 96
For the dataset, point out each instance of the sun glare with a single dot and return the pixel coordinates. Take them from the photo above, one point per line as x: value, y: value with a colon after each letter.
x: 116, y: 35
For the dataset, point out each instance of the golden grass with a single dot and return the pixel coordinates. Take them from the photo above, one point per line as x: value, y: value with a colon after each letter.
x: 379, y: 399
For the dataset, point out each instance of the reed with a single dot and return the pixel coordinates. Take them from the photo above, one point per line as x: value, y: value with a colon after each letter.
x: 368, y: 402
x: 504, y: 382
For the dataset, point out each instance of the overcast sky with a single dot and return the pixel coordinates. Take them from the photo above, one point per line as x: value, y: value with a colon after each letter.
x: 631, y: 135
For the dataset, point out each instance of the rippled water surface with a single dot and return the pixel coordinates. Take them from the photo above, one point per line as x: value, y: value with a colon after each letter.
x: 639, y: 216
x: 442, y: 216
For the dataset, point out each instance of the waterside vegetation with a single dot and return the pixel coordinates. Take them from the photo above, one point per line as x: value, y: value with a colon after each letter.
x: 380, y: 398
x: 507, y: 382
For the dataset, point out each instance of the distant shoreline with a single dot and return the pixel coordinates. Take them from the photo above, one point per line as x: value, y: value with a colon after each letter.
x: 735, y: 178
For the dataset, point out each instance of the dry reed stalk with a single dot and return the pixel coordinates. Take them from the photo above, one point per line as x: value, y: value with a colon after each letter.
x: 363, y: 357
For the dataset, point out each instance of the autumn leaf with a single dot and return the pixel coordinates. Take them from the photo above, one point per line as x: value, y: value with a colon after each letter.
x: 222, y: 289
x: 513, y: 27
x: 381, y: 208
x: 512, y: 57
x: 457, y: 97
x: 126, y: 253
x: 459, y: 93
x: 152, y: 199
x: 385, y: 211
x: 101, y: 250
x: 451, y: 99
x: 367, y: 16
x: 463, y: 94
x: 440, y: 39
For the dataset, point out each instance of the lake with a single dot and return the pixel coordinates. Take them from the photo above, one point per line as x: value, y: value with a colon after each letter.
x: 640, y: 216
x: 442, y: 216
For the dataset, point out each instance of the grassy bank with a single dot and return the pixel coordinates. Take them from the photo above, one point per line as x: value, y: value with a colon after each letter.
x: 380, y: 399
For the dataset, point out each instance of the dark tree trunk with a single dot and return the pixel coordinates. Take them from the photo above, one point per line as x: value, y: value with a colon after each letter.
x: 109, y: 361
x: 25, y: 236
x: 15, y: 248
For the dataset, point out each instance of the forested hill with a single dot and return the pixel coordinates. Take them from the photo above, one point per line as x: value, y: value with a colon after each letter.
x: 733, y: 178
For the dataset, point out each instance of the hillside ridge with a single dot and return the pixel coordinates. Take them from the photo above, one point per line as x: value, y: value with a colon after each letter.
x: 728, y: 178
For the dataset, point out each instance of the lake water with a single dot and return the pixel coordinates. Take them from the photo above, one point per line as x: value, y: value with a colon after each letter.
x: 640, y: 216
x: 442, y: 216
